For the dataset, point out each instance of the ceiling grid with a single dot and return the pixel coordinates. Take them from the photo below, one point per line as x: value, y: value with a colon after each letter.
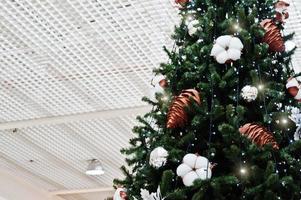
x: 65, y: 58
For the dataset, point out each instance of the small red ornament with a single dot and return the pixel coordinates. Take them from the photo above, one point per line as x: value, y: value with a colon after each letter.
x: 182, y: 2
x: 120, y: 194
x: 163, y: 83
x: 281, y: 11
x: 293, y: 88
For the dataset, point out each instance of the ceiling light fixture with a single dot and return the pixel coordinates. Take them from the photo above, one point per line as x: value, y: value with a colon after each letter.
x: 94, y: 168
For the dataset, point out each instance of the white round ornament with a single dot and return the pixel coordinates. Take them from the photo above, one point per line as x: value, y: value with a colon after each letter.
x: 120, y: 194
x: 285, y: 1
x: 226, y: 48
x: 249, y: 93
x: 194, y: 167
x: 158, y: 157
x: 293, y: 86
x: 157, y: 86
x: 192, y: 27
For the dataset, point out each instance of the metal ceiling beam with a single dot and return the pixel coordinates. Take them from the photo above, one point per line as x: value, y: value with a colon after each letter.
x: 107, y: 114
x: 83, y: 191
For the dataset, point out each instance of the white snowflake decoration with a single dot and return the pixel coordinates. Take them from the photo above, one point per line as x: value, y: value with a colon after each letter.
x: 146, y: 195
x: 158, y: 157
x: 249, y: 93
x: 297, y: 135
x: 295, y: 114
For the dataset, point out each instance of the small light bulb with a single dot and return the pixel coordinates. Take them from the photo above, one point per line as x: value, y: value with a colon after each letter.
x: 260, y: 87
x: 236, y: 26
x: 284, y: 121
x: 165, y: 98
x: 243, y: 171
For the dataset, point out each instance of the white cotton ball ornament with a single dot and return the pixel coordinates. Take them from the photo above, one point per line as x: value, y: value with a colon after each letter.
x: 249, y: 93
x: 193, y: 27
x: 183, y: 169
x: 190, y: 159
x: 158, y: 157
x: 189, y: 178
x: 201, y: 162
x: 194, y: 167
x: 204, y: 173
x: 227, y: 48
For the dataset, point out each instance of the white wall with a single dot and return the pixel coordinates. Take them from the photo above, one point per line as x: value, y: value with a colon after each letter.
x: 14, y: 188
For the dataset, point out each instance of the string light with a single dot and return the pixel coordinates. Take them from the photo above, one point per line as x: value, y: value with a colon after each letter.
x: 284, y: 121
x: 243, y: 171
x: 165, y: 98
x: 260, y: 87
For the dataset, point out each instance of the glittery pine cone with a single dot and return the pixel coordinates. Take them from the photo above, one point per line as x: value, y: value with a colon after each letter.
x: 177, y: 116
x: 258, y: 135
x: 272, y: 36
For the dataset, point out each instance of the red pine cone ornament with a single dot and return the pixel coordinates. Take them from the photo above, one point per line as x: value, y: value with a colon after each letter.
x: 293, y: 88
x: 272, y: 36
x: 258, y: 135
x: 177, y: 116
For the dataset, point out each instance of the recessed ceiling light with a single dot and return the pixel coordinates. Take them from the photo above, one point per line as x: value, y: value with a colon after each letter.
x: 94, y: 168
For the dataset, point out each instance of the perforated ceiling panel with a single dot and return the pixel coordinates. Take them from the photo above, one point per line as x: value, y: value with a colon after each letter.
x: 61, y: 58
x: 294, y: 25
x: 73, y: 56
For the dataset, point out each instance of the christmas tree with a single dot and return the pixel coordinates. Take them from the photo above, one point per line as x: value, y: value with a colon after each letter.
x: 224, y: 124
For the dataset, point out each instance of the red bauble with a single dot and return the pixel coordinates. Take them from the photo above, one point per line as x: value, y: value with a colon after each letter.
x: 293, y: 88
x: 281, y: 11
x: 182, y: 2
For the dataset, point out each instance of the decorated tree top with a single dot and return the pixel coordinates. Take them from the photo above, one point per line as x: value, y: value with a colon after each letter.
x: 222, y: 125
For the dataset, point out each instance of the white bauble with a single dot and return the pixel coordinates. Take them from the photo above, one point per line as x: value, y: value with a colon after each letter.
x: 189, y: 178
x: 190, y: 159
x: 285, y: 1
x: 289, y: 45
x: 158, y: 157
x: 156, y: 88
x: 204, y: 173
x: 249, y: 93
x: 227, y: 47
x: 192, y: 27
x: 118, y: 193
